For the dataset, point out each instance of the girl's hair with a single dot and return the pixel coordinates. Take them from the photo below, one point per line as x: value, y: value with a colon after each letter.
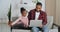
x: 22, y: 9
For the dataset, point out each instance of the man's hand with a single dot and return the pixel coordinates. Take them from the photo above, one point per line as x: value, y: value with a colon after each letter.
x: 41, y: 26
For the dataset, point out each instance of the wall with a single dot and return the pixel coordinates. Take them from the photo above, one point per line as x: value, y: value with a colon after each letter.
x: 5, y: 5
x: 4, y: 8
x: 53, y: 9
x: 16, y: 5
x: 58, y: 12
x: 50, y: 7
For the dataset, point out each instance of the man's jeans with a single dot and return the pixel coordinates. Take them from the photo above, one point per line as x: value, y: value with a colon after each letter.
x: 35, y: 29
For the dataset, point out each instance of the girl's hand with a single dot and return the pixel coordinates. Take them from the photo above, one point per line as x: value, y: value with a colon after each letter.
x: 9, y: 23
x: 25, y: 26
x: 19, y: 22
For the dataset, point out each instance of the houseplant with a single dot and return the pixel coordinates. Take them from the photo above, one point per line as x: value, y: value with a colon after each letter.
x: 9, y: 15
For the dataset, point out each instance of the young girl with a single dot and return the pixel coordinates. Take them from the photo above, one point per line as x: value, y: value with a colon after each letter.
x: 22, y: 21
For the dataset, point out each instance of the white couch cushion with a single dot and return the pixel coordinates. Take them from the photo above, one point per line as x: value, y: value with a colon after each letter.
x: 49, y: 21
x: 53, y: 30
x: 19, y: 30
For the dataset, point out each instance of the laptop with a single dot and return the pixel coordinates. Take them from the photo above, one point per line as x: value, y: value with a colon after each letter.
x: 35, y: 23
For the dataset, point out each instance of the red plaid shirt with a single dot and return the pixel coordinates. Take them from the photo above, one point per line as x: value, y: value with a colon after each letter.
x: 42, y: 16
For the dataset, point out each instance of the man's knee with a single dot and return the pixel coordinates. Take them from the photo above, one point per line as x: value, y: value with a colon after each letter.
x: 35, y: 28
x: 45, y: 29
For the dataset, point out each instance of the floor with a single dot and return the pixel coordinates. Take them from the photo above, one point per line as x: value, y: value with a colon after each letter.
x: 4, y: 28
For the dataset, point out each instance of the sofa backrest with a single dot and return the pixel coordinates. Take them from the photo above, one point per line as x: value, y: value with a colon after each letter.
x: 49, y: 21
x: 14, y: 18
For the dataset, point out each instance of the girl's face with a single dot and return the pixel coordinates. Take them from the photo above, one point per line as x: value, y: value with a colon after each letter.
x: 24, y: 13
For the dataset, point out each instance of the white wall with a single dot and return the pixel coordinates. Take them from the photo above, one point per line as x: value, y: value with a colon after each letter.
x: 16, y: 6
x: 4, y: 7
x: 58, y: 12
x: 5, y: 4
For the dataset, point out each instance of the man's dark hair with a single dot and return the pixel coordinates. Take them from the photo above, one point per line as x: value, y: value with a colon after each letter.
x: 39, y: 3
x: 22, y: 9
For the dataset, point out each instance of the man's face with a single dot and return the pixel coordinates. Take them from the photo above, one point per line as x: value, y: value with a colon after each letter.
x: 38, y: 7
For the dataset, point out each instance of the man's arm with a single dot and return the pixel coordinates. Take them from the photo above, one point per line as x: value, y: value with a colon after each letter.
x: 29, y: 17
x: 44, y: 19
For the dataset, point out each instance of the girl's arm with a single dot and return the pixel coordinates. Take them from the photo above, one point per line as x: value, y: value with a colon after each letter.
x: 16, y: 21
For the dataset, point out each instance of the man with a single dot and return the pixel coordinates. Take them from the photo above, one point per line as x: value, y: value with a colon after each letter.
x: 38, y: 14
